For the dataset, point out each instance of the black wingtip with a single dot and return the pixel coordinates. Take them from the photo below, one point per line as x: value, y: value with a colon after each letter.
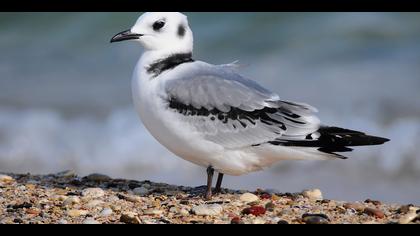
x: 373, y: 140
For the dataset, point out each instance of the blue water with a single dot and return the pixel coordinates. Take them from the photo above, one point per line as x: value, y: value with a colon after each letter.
x: 65, y: 97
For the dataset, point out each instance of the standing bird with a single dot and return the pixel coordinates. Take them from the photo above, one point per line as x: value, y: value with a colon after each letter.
x: 214, y: 117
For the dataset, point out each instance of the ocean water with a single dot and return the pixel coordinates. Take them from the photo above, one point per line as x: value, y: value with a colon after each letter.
x: 65, y: 97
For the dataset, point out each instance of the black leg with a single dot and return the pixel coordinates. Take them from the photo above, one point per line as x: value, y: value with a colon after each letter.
x: 210, y: 172
x: 219, y: 183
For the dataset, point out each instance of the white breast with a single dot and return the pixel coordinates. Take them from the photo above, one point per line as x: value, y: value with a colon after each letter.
x: 166, y: 126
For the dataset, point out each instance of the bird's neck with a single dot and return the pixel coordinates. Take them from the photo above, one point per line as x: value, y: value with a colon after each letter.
x: 155, y: 62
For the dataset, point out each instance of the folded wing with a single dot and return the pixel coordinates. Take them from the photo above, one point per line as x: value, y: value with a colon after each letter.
x: 233, y: 111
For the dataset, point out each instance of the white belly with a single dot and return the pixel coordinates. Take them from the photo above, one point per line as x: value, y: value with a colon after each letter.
x: 169, y: 130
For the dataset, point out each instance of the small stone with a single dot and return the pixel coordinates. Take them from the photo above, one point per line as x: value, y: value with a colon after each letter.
x: 23, y: 205
x: 77, y: 213
x: 93, y: 192
x: 153, y: 212
x: 248, y: 197
x: 270, y: 206
x: 60, y: 197
x: 90, y: 221
x: 21, y: 188
x: 282, y: 222
x: 265, y: 196
x: 315, y: 219
x: 94, y: 203
x: 258, y: 221
x: 313, y: 194
x: 184, y: 202
x: 129, y: 198
x: 275, y: 197
x: 18, y: 221
x: 325, y: 201
x: 141, y: 191
x: 106, y: 212
x: 354, y: 205
x: 71, y: 200
x: 374, y: 202
x: 374, y: 212
x: 129, y: 218
x: 254, y: 210
x: 184, y: 212
x: 6, y: 179
x: 340, y: 209
x: 236, y: 220
x: 33, y: 211
x: 98, y: 177
x: 62, y: 222
x: 173, y: 209
x: 116, y: 207
x: 207, y: 210
x: 146, y: 185
x: 66, y: 174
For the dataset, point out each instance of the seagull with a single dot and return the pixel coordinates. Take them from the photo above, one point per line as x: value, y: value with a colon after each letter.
x: 216, y: 118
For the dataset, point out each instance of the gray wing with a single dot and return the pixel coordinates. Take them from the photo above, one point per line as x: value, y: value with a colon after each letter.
x: 233, y: 111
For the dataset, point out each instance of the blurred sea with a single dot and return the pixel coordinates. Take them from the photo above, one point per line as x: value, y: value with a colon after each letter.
x: 65, y: 97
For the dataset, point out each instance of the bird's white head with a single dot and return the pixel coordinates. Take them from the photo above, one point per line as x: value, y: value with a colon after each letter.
x: 160, y: 31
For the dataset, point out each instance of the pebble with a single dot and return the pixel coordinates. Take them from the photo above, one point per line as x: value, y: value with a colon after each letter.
x: 236, y: 220
x: 129, y: 198
x: 98, y: 177
x: 282, y: 222
x: 106, y: 212
x: 77, y: 213
x: 248, y: 197
x: 265, y: 196
x: 66, y: 174
x: 374, y: 212
x: 90, y: 221
x: 146, y: 185
x: 93, y: 192
x: 33, y: 211
x: 71, y: 200
x: 129, y: 218
x: 354, y: 205
x: 374, y: 202
x: 270, y: 206
x: 21, y: 188
x: 6, y: 179
x: 94, y: 203
x: 62, y: 222
x: 141, y: 191
x: 258, y: 221
x: 153, y: 212
x: 254, y: 210
x: 313, y: 194
x: 315, y: 219
x: 184, y: 212
x: 207, y: 210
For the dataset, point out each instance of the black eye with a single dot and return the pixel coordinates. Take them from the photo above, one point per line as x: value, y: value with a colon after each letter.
x: 158, y: 25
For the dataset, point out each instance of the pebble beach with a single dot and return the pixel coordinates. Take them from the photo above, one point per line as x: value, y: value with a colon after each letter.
x: 65, y: 198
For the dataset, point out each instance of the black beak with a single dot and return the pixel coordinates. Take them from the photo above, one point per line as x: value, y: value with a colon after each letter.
x: 125, y: 35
